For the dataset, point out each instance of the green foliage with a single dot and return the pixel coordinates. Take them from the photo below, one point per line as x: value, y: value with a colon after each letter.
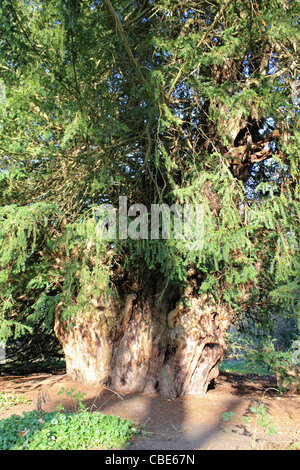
x: 147, y: 101
x: 295, y: 445
x: 59, y: 430
x: 262, y: 419
x: 8, y: 401
x: 259, y: 417
x: 78, y: 397
x: 63, y: 431
x: 243, y: 367
x: 228, y: 415
x: 251, y: 353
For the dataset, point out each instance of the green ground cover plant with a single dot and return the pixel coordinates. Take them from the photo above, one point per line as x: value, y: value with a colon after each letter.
x: 8, y: 400
x: 61, y: 430
x: 259, y: 417
x: 260, y: 354
x: 36, y: 430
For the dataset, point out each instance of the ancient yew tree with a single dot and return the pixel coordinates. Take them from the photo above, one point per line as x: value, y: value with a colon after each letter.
x: 160, y: 102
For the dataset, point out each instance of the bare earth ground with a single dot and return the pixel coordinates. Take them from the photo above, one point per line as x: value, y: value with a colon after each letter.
x: 191, y: 423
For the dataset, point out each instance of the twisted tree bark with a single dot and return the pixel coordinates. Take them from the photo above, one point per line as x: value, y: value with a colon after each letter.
x: 140, y: 345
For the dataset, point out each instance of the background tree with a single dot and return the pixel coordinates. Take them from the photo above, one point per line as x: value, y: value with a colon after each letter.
x: 161, y: 102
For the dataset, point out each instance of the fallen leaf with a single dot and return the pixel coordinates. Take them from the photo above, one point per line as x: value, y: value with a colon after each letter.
x: 24, y: 432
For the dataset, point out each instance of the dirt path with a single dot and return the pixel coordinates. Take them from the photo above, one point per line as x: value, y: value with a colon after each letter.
x: 192, y: 423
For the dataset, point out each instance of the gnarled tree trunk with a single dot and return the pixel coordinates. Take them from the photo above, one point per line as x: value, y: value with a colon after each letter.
x: 141, y: 345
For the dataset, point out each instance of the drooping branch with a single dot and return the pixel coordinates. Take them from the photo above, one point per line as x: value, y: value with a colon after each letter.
x: 200, y: 42
x: 132, y: 59
x: 121, y: 32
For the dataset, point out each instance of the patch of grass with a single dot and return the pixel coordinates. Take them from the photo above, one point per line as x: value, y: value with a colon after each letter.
x: 8, y: 400
x: 244, y: 367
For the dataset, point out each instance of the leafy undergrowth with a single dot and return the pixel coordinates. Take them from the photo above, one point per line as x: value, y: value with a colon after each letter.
x: 38, y: 430
x: 61, y: 430
x: 8, y: 401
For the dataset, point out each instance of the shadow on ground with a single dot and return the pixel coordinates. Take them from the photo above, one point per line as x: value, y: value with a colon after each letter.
x: 190, y: 423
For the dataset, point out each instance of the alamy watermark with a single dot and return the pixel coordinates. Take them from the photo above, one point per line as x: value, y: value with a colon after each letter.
x: 180, y: 222
x: 2, y: 353
x: 2, y: 92
x: 296, y: 353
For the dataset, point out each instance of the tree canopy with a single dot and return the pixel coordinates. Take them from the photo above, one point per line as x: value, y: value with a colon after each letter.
x: 162, y: 102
